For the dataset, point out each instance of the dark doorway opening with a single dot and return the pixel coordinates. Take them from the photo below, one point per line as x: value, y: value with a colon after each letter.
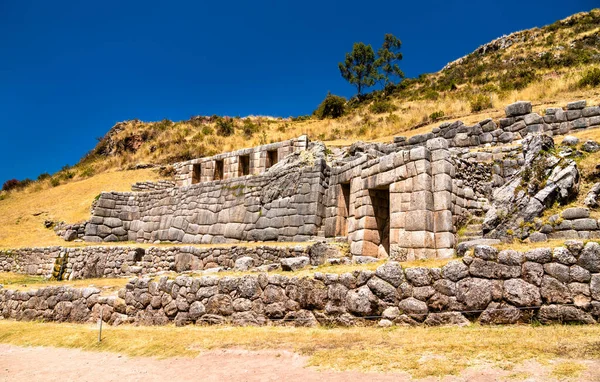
x: 344, y: 205
x: 218, y: 170
x: 196, y: 173
x: 244, y: 165
x: 272, y: 158
x: 380, y: 199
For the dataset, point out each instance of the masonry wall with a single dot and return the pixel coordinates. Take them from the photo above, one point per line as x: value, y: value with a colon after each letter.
x: 544, y: 285
x: 417, y: 220
x: 258, y: 161
x: 283, y: 204
x: 519, y: 122
x: 119, y: 261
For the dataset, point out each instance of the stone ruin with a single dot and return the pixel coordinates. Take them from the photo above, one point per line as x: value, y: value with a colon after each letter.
x: 399, y: 201
x: 403, y: 200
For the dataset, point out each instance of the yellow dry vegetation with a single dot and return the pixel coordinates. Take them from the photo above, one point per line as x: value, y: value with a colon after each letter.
x: 22, y: 214
x: 420, y: 351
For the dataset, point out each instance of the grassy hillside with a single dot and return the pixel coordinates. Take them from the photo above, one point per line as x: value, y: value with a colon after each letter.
x: 545, y: 65
x: 22, y: 214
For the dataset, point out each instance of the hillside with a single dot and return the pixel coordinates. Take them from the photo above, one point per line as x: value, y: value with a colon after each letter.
x: 544, y: 65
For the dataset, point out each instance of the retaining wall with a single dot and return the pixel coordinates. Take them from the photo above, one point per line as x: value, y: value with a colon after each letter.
x: 519, y: 122
x: 97, y: 261
x: 490, y: 287
x: 283, y: 204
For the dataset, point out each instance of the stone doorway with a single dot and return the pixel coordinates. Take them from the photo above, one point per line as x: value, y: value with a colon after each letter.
x: 380, y: 200
x: 344, y: 209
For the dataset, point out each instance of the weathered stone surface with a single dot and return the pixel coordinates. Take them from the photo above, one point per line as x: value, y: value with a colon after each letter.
x: 361, y: 301
x: 500, y: 314
x: 391, y: 272
x: 475, y: 293
x: 294, y: 263
x: 419, y: 276
x: 518, y: 108
x: 522, y: 294
x: 553, y: 291
x: 447, y: 318
x: 455, y: 270
x: 590, y: 257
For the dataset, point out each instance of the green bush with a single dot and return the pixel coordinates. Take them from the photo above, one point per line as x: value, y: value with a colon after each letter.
x: 517, y: 79
x: 54, y: 182
x: 436, y: 115
x: 332, y: 107
x: 43, y: 176
x: 249, y: 128
x: 207, y: 130
x: 590, y: 78
x: 480, y: 102
x: 87, y: 172
x: 380, y: 106
x: 225, y: 126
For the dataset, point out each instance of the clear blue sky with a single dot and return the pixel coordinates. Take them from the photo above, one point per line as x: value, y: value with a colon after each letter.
x: 70, y: 69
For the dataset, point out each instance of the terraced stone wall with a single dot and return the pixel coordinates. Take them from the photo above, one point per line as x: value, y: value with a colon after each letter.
x: 283, y: 204
x: 518, y: 123
x: 260, y: 159
x: 490, y: 287
x: 118, y: 261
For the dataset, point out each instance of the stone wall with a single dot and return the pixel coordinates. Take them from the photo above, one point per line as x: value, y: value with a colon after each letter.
x: 259, y: 160
x: 152, y: 186
x: 572, y: 223
x: 489, y: 287
x: 119, y: 261
x: 282, y: 204
x: 398, y: 205
x: 519, y: 122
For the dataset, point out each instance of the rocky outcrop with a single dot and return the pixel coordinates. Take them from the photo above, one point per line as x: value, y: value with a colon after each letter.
x: 543, y: 180
x: 489, y: 286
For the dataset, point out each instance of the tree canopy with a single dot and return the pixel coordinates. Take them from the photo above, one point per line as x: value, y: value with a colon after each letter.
x: 359, y: 67
x: 362, y: 68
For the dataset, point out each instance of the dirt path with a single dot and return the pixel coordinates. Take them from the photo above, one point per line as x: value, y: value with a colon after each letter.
x: 53, y: 364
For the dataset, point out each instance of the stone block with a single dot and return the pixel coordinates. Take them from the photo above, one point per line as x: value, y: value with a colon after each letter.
x: 518, y: 108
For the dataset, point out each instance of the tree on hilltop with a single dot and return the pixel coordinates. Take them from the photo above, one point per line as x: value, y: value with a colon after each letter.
x: 388, y: 57
x: 359, y: 67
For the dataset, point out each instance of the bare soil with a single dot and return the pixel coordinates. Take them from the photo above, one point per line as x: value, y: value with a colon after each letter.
x: 57, y: 364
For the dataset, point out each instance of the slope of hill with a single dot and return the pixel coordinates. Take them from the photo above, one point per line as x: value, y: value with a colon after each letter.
x: 540, y: 64
x: 544, y: 65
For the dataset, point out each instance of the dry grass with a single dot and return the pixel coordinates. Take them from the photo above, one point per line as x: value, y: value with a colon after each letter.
x: 420, y: 351
x: 567, y: 370
x: 19, y: 281
x: 19, y: 225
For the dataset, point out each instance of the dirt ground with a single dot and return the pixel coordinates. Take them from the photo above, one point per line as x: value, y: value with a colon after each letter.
x: 54, y: 364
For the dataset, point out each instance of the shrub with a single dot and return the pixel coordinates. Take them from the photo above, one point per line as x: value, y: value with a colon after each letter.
x: 436, y: 115
x: 54, y: 182
x: 301, y: 118
x: 590, y: 78
x: 225, y: 126
x: 249, y: 128
x: 87, y: 172
x: 11, y: 184
x: 379, y: 107
x: 480, y: 102
x: 207, y: 130
x: 166, y: 171
x: 43, y: 176
x: 332, y: 107
x: 517, y: 79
